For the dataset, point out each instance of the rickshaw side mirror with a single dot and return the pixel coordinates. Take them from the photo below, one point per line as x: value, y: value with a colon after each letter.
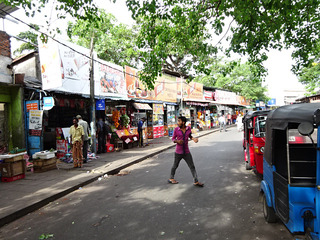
x: 305, y: 128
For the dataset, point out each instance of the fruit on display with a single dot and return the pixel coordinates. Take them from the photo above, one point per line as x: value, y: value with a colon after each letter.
x: 115, y: 118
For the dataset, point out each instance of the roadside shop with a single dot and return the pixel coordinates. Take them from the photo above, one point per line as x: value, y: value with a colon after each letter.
x: 162, y: 117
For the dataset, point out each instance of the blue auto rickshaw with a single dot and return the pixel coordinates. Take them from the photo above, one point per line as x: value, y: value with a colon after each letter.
x: 290, y: 188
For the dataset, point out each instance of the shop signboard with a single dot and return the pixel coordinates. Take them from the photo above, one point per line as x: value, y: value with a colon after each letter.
x: 48, y: 103
x: 208, y: 95
x: 226, y: 97
x: 179, y: 88
x: 110, y: 80
x: 100, y: 104
x: 242, y: 101
x: 164, y: 87
x: 35, y: 122
x: 158, y: 109
x: 192, y: 91
x: 272, y: 102
x: 51, y: 65
x: 32, y: 105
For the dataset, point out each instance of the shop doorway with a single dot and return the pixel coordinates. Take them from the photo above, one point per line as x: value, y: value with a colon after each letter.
x: 3, y: 128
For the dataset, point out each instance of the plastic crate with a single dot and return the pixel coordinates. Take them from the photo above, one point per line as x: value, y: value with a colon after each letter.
x: 14, y: 178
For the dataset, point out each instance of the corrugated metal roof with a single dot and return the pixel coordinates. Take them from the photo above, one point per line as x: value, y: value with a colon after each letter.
x: 6, y: 10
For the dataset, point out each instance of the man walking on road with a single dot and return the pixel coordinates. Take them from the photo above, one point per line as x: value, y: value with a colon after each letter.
x: 181, y: 135
x: 140, y: 129
x: 85, y: 127
x: 222, y: 123
x: 76, y: 133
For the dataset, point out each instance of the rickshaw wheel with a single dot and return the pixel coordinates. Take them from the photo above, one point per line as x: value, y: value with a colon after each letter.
x: 248, y: 167
x: 268, y: 212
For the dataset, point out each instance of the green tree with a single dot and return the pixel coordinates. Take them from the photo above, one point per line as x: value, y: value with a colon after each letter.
x: 31, y: 40
x: 113, y: 42
x: 257, y: 27
x: 310, y: 75
x: 80, y: 9
x: 242, y: 79
x: 172, y: 48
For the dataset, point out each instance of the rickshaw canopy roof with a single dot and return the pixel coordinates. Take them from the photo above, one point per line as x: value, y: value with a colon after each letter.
x: 251, y: 115
x: 294, y: 113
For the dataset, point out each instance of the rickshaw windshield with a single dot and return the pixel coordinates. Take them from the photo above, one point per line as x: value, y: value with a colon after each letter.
x: 296, y: 138
x: 260, y: 126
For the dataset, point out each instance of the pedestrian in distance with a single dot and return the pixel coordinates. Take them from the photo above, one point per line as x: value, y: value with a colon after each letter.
x: 101, y: 134
x: 229, y: 119
x: 222, y: 123
x: 86, y: 131
x: 180, y: 136
x: 239, y: 123
x: 77, y: 136
x: 140, y: 130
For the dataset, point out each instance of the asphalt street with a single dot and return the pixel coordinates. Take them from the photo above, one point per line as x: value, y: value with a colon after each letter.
x: 140, y: 204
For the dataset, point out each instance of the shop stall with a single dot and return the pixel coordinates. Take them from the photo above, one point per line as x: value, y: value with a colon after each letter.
x: 155, y: 121
x: 170, y: 120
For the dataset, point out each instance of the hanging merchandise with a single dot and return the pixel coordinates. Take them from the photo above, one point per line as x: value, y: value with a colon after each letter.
x: 115, y: 118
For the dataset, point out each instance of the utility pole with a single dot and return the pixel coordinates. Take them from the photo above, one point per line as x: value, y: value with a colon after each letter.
x: 92, y: 101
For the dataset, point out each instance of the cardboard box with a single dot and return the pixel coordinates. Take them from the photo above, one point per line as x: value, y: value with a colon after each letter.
x: 12, y: 169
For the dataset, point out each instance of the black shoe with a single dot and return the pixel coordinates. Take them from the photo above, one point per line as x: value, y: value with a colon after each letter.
x: 85, y: 161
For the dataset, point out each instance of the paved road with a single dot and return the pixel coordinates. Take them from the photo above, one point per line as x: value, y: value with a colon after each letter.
x: 141, y: 205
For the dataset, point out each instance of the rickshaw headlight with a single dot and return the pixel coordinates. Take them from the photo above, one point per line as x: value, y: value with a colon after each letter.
x: 256, y: 149
x: 262, y: 149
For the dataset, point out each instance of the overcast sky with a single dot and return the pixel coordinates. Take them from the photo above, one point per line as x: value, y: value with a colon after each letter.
x: 279, y: 64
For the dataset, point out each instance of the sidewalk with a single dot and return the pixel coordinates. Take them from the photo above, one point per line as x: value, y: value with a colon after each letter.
x: 21, y: 197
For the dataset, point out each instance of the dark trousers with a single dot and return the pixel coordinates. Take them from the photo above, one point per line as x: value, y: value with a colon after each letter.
x: 188, y: 158
x: 140, y: 138
x: 85, y: 150
x: 101, y: 143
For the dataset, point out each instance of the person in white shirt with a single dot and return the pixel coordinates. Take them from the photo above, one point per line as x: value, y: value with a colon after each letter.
x: 222, y: 122
x: 239, y: 123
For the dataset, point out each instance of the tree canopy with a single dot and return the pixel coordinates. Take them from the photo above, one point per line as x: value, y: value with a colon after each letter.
x: 310, y: 75
x: 184, y: 27
x: 114, y: 42
x: 31, y: 40
x: 242, y: 79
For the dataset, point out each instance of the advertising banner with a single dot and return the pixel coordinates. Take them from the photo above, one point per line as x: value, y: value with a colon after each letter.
x: 242, y: 101
x: 51, y: 65
x: 35, y: 122
x: 195, y: 90
x: 190, y: 91
x: 76, y: 69
x: 226, y: 97
x: 208, y: 95
x: 165, y: 88
x: 158, y: 108
x: 109, y: 80
x: 32, y: 105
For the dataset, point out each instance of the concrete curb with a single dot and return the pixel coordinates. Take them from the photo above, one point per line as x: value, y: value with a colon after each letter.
x: 22, y: 212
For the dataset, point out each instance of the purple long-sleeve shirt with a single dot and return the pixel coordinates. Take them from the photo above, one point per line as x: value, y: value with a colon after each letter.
x: 178, y: 135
